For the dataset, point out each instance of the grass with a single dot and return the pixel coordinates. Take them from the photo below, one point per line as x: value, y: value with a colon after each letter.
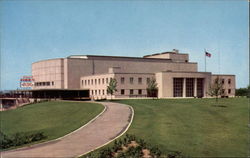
x: 55, y: 119
x: 195, y: 127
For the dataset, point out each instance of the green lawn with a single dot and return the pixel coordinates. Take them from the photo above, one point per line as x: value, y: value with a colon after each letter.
x: 195, y: 127
x: 55, y: 119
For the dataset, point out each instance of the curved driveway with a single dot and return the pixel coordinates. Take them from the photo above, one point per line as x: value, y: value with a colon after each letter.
x: 110, y: 124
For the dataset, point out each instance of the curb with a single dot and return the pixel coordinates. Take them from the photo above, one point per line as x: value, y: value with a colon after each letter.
x: 50, y: 141
x: 131, y: 120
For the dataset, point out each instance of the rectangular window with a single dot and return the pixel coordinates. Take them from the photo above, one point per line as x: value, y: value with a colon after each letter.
x: 200, y: 87
x: 95, y: 92
x: 229, y: 81
x: 229, y: 91
x: 189, y: 87
x: 122, y: 91
x: 131, y: 91
x: 107, y: 80
x: 99, y: 81
x: 99, y: 92
x: 88, y: 82
x: 222, y: 81
x: 92, y: 92
x: 178, y: 87
x: 148, y: 80
x: 139, y: 91
x: 223, y: 91
x: 131, y: 80
x: 82, y: 82
x: 91, y: 81
x: 103, y: 92
x: 139, y: 80
x: 103, y: 81
x: 122, y: 80
x: 95, y: 81
x: 85, y: 82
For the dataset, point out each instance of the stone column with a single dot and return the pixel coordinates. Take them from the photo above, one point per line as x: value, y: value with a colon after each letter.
x: 184, y: 88
x: 195, y: 87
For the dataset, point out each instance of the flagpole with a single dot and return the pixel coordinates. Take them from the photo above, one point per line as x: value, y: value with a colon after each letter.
x: 205, y: 60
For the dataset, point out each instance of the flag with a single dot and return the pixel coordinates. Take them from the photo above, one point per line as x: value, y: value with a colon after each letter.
x: 208, y: 54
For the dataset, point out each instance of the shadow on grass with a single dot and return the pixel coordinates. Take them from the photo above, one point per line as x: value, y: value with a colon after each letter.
x: 219, y: 105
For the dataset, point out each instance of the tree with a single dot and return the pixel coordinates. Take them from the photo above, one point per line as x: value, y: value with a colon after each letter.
x: 241, y: 92
x: 152, y: 88
x: 111, y: 88
x: 216, y: 89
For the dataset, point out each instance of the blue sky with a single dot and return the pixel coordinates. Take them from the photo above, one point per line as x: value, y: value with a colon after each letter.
x: 33, y: 30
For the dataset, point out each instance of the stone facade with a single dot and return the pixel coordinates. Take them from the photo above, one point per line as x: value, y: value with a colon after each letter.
x: 172, y: 70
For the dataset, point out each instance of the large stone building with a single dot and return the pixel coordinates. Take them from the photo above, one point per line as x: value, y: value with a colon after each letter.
x: 174, y: 74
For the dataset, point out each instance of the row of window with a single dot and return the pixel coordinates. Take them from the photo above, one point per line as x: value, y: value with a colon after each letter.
x: 44, y: 83
x: 228, y: 91
x: 131, y: 80
x: 106, y: 81
x: 122, y: 91
x: 95, y: 81
x: 178, y: 87
x: 228, y: 81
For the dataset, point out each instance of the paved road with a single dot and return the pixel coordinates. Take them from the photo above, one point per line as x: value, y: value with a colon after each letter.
x: 106, y: 127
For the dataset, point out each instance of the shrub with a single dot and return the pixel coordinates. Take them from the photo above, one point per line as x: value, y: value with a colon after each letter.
x: 155, y: 151
x: 5, y: 141
x: 174, y: 154
x: 105, y: 153
x: 20, y: 139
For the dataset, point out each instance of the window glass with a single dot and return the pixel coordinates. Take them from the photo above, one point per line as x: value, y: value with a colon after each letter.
x: 131, y: 91
x: 139, y: 91
x: 122, y: 80
x: 139, y: 80
x: 122, y: 91
x: 131, y: 80
x: 148, y: 80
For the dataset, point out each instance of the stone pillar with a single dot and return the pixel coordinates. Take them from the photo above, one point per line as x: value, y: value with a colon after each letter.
x: 184, y: 88
x: 195, y: 87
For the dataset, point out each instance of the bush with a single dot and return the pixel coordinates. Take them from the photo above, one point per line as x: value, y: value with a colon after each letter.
x: 132, y: 151
x: 155, y: 152
x: 5, y: 141
x: 19, y: 139
x: 105, y: 153
x: 175, y: 154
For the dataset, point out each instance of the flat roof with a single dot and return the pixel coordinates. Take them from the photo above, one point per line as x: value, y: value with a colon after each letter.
x: 183, y: 72
x: 122, y: 58
x: 222, y: 75
x: 164, y: 53
x: 111, y: 57
x: 117, y: 73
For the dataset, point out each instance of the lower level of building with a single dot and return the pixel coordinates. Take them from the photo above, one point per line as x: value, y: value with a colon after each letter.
x: 169, y: 85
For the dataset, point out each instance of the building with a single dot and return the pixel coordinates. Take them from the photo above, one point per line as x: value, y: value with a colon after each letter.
x: 174, y: 74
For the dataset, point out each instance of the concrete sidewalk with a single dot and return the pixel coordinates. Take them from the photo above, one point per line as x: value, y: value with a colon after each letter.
x: 107, y: 126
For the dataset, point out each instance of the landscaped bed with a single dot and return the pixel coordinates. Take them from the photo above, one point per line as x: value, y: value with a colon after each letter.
x: 191, y: 127
x: 52, y: 119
